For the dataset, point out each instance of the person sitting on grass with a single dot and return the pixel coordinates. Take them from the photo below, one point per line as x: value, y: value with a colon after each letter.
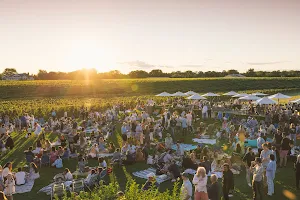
x: 9, y: 144
x: 101, y: 145
x: 81, y: 165
x: 94, y: 151
x: 66, y: 153
x: 111, y: 148
x: 139, y: 157
x: 20, y: 177
x: 117, y: 157
x: 58, y: 163
x: 33, y: 171
x: 53, y: 155
x: 90, y: 177
x: 151, y: 182
x: 102, y: 162
x: 68, y: 175
x: 29, y: 152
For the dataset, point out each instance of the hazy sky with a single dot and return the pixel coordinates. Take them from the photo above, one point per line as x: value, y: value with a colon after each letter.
x: 197, y: 35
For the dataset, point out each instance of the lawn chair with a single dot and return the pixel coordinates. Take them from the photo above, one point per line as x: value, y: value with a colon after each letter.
x: 93, y: 183
x: 78, y: 185
x: 45, y: 160
x: 29, y: 158
x: 58, y: 190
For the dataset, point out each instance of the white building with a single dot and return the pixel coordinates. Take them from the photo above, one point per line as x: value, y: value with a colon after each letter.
x: 18, y: 77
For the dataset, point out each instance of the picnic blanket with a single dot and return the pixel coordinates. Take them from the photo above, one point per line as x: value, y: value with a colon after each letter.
x: 186, y: 147
x: 47, y: 189
x: 103, y: 155
x: 143, y: 174
x: 253, y: 143
x: 27, y: 187
x: 205, y: 141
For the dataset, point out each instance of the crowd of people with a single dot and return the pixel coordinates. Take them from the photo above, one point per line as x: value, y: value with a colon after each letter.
x: 154, y: 133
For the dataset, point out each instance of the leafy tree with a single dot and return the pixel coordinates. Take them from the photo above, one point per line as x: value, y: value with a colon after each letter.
x: 138, y: 74
x: 156, y: 73
x: 9, y: 72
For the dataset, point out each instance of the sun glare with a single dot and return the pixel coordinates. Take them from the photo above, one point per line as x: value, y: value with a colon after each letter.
x: 89, y: 56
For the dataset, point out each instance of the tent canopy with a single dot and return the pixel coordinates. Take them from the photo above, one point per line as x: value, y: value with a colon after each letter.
x: 163, y: 94
x: 231, y: 93
x: 249, y: 97
x: 190, y: 93
x: 178, y: 94
x: 241, y: 95
x: 265, y: 101
x: 296, y: 101
x: 210, y: 94
x: 279, y: 96
x: 196, y: 97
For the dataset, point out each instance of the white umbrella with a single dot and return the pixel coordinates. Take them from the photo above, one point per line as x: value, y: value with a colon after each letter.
x: 296, y: 101
x: 259, y: 94
x: 190, y: 93
x: 279, y: 96
x: 249, y: 97
x: 265, y: 101
x: 241, y: 95
x: 178, y: 94
x: 210, y: 94
x: 231, y: 93
x: 163, y: 94
x: 196, y: 97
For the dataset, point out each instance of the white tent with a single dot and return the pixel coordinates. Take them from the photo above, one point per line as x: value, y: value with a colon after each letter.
x: 279, y: 96
x: 178, y: 94
x: 296, y: 101
x: 265, y: 101
x: 241, y: 95
x: 163, y: 94
x: 210, y: 94
x: 231, y: 93
x: 196, y: 97
x: 259, y: 94
x: 249, y: 97
x: 190, y: 93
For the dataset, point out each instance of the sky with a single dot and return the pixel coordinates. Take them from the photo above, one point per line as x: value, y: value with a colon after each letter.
x: 172, y: 35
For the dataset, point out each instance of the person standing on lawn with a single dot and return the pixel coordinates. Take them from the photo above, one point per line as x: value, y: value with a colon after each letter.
x: 297, y: 168
x: 257, y: 182
x: 186, y: 188
x: 248, y: 158
x: 227, y: 181
x: 270, y: 174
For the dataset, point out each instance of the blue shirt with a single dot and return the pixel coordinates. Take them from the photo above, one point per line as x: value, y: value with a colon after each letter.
x: 58, y: 163
x: 260, y: 142
x: 184, y: 123
x: 271, y: 169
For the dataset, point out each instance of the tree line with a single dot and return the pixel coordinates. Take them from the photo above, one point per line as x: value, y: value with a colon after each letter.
x: 115, y: 74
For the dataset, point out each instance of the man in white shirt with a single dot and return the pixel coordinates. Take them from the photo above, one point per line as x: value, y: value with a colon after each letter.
x: 189, y: 118
x: 204, y: 112
x: 186, y: 188
x: 20, y: 177
x: 38, y: 129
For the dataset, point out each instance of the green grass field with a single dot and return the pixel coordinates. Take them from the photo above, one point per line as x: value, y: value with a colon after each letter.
x: 285, y: 178
x: 132, y: 87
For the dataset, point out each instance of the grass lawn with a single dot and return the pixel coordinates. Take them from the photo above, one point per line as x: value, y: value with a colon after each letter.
x: 285, y: 178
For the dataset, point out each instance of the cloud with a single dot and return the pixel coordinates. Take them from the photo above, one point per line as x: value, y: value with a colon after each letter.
x: 191, y: 66
x: 137, y: 64
x: 143, y: 65
x: 266, y: 63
